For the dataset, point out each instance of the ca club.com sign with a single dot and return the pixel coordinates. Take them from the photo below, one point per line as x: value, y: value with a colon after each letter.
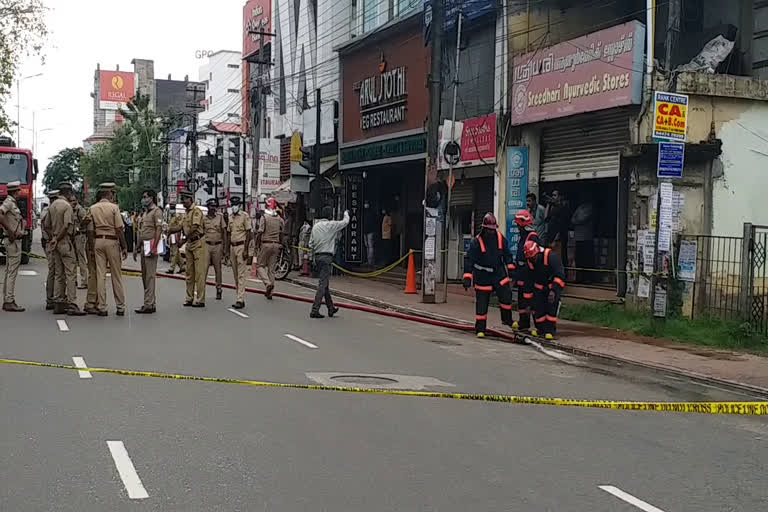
x: 671, y: 116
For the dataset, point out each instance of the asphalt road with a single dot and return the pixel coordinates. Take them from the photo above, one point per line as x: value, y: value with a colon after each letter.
x: 72, y: 443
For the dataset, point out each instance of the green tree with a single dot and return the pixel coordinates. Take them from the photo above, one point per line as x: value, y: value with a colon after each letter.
x: 65, y: 166
x: 22, y: 32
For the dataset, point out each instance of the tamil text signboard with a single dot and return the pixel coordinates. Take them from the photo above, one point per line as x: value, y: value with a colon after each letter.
x: 517, y: 190
x: 594, y: 72
x: 116, y: 89
x: 671, y: 116
x: 477, y: 140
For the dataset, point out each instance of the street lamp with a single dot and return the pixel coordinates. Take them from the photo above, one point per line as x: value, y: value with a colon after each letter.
x: 35, y: 131
x: 18, y: 104
x: 34, y: 138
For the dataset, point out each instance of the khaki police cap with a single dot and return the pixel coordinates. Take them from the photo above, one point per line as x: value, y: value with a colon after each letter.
x: 52, y: 193
x: 13, y: 186
x: 234, y: 200
x: 187, y: 193
x: 65, y: 185
x: 107, y: 186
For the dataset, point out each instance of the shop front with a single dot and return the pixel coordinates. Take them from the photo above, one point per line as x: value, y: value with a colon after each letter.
x: 383, y: 145
x: 576, y: 103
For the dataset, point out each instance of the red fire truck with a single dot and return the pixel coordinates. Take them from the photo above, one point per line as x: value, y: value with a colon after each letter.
x: 18, y: 165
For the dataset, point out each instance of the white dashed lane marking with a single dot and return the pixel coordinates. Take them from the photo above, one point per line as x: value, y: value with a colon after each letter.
x: 623, y: 496
x: 242, y: 315
x: 299, y: 340
x: 80, y: 363
x: 63, y: 327
x: 127, y: 472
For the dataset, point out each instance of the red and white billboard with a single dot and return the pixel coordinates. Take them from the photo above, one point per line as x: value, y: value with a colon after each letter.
x: 117, y: 89
x: 257, y: 17
x: 477, y: 139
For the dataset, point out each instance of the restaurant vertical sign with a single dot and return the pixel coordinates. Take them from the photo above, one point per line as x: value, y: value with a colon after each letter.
x: 353, y: 239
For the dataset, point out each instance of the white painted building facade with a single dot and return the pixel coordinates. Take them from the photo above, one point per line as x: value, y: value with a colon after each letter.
x: 222, y: 76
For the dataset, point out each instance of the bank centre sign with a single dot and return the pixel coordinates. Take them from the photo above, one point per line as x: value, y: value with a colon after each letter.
x: 383, y: 98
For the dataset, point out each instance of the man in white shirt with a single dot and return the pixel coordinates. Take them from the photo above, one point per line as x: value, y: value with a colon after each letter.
x: 322, y: 243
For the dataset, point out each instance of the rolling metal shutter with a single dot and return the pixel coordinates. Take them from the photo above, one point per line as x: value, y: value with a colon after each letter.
x: 462, y: 193
x: 585, y: 147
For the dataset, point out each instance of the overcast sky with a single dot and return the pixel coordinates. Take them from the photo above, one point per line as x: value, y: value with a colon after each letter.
x: 88, y: 32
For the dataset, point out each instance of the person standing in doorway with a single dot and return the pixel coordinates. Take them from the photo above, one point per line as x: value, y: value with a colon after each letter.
x: 269, y: 237
x: 13, y: 223
x: 371, y: 227
x: 557, y: 221
x: 322, y: 243
x: 149, y: 228
x: 239, y: 239
x: 110, y: 248
x: 386, y: 236
x: 215, y: 238
x: 539, y: 214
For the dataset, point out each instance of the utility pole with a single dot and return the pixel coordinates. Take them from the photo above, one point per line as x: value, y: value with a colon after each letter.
x: 431, y: 219
x: 198, y: 92
x: 450, y: 161
x: 257, y: 113
x: 316, y: 155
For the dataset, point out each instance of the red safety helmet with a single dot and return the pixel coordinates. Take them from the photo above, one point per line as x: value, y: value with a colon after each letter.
x: 489, y: 221
x: 272, y: 204
x: 523, y: 218
x: 531, y: 249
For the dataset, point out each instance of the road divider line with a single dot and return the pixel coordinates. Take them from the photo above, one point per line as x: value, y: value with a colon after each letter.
x: 724, y: 408
x: 63, y: 327
x: 127, y: 472
x: 80, y: 363
x: 299, y: 340
x: 624, y: 496
x: 242, y: 315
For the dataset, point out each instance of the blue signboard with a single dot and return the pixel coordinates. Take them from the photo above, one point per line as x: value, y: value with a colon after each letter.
x: 471, y: 9
x: 517, y: 190
x: 671, y: 160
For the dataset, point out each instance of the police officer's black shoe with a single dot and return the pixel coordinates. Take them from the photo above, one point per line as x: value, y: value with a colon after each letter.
x: 198, y: 305
x: 238, y: 305
x: 316, y: 315
x: 188, y: 304
x: 49, y: 307
x: 218, y: 294
x: 333, y: 312
x: 120, y: 313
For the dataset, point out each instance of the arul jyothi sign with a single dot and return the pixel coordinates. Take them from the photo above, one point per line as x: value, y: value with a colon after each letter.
x: 594, y: 72
x: 383, y: 98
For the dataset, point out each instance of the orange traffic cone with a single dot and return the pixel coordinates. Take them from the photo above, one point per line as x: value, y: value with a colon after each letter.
x: 410, y: 280
x: 305, y: 267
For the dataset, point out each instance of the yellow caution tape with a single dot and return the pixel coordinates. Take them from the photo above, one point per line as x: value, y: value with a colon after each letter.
x: 375, y: 273
x: 35, y: 256
x: 734, y: 408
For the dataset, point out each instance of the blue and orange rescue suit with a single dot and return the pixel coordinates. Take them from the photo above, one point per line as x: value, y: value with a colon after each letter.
x: 523, y: 275
x: 487, y: 265
x: 548, y: 284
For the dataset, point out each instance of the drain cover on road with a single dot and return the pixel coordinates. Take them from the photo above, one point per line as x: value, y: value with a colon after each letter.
x: 368, y: 380
x: 376, y: 380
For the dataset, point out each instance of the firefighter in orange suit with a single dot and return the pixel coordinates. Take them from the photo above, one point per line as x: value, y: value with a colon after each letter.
x: 487, y: 265
x: 548, y: 284
x: 522, y: 273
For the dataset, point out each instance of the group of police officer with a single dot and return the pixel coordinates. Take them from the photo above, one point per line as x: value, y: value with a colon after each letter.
x: 536, y: 270
x: 94, y: 239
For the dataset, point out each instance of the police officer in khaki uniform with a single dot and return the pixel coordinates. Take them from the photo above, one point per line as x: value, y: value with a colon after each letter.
x: 269, y: 238
x: 149, y: 228
x: 91, y: 300
x: 79, y: 214
x: 13, y: 224
x: 110, y: 249
x: 174, y: 224
x: 46, y: 236
x: 60, y: 223
x: 197, y: 256
x: 215, y: 238
x: 239, y: 240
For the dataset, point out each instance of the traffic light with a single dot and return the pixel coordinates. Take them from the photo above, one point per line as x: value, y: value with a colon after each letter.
x: 218, y: 163
x: 234, y: 155
x: 307, y: 158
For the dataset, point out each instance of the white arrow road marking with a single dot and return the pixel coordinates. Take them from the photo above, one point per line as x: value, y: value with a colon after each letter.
x: 299, y: 340
x: 80, y: 363
x: 243, y: 315
x: 127, y: 472
x: 647, y: 507
x: 27, y: 273
x: 63, y: 327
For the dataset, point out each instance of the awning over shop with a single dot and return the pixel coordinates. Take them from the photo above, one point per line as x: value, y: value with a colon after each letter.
x: 283, y: 193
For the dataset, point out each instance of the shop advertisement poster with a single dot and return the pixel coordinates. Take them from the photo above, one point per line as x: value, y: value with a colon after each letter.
x: 643, y: 287
x: 686, y: 262
x: 517, y: 190
x: 671, y: 160
x: 660, y: 302
x: 671, y: 116
x: 353, y: 240
x: 665, y: 217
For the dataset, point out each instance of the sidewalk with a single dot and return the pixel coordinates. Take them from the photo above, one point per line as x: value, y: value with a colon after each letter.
x: 745, y: 371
